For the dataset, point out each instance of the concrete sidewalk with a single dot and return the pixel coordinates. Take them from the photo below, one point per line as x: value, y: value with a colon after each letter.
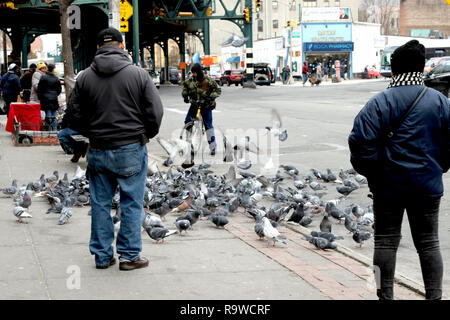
x: 329, y: 83
x: 42, y: 260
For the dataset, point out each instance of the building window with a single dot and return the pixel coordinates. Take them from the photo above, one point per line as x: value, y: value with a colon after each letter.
x: 260, y: 25
x: 274, y: 4
x: 310, y: 3
x: 275, y: 24
x: 337, y: 3
x: 326, y: 3
x: 292, y: 5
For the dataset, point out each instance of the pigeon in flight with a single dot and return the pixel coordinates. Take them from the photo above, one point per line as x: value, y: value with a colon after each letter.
x: 275, y: 129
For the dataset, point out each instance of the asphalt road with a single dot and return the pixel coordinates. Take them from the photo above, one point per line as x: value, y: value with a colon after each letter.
x: 318, y: 121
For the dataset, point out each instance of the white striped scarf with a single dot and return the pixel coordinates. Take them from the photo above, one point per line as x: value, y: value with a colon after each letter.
x: 407, y: 79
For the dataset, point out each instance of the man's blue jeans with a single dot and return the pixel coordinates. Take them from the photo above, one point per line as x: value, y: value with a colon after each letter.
x: 50, y: 118
x: 207, y: 121
x: 66, y: 141
x: 127, y: 167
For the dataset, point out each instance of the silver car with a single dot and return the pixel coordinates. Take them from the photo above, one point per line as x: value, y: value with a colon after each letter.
x: 155, y: 78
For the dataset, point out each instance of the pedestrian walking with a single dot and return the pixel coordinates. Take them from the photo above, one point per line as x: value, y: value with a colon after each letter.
x: 49, y: 88
x: 305, y: 72
x: 400, y: 143
x: 10, y: 86
x: 319, y: 71
x: 285, y: 73
x: 202, y: 91
x: 116, y: 105
x: 25, y: 82
x: 41, y: 70
x: 325, y: 72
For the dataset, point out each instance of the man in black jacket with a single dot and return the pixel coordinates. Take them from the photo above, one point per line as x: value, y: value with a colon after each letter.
x: 49, y: 88
x: 25, y: 82
x: 117, y: 106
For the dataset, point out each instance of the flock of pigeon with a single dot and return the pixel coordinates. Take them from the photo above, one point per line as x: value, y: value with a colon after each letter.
x: 198, y: 194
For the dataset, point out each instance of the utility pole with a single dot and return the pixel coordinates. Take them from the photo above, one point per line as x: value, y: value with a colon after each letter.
x: 248, y: 32
x: 136, y: 32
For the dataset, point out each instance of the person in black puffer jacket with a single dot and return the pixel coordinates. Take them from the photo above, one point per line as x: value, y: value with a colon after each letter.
x: 49, y: 88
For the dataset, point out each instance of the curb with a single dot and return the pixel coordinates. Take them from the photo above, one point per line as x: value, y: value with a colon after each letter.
x: 329, y: 83
x: 398, y: 278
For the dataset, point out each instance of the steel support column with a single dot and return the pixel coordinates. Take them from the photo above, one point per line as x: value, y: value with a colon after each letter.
x: 136, y: 32
x: 25, y: 51
x: 248, y: 32
x: 183, y: 53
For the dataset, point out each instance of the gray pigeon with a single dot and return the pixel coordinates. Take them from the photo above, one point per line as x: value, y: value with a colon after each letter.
x: 159, y: 233
x: 321, y: 243
x: 244, y: 164
x: 360, y: 179
x: 344, y: 190
x: 10, y: 191
x: 259, y: 228
x: 361, y: 236
x: 305, y: 221
x: 327, y: 235
x: 151, y: 221
x: 350, y: 225
x: 66, y: 212
x: 325, y: 225
x: 219, y: 221
x: 182, y: 225
x: 21, y: 213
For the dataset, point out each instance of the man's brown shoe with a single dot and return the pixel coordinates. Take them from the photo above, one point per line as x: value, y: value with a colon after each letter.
x: 141, y: 262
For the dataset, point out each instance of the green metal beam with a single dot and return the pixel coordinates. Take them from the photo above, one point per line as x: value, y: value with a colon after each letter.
x: 136, y: 32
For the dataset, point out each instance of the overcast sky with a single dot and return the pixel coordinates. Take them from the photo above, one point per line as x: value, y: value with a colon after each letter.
x: 49, y: 41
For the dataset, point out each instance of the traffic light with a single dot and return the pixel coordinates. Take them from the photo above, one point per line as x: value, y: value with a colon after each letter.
x: 9, y: 5
x: 258, y: 5
x: 208, y: 11
x: 288, y: 23
x: 247, y: 15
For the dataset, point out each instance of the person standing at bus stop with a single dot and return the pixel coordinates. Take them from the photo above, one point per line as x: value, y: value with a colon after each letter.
x: 116, y: 105
x: 401, y: 142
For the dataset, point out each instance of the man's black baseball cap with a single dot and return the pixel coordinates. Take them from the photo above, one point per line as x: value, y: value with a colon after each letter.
x: 108, y: 35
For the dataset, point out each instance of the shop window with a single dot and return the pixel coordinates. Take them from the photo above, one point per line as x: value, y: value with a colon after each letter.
x: 260, y: 25
x: 275, y: 24
x: 310, y: 3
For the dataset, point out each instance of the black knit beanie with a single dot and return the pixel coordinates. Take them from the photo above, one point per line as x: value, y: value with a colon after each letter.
x: 197, y: 68
x: 409, y: 57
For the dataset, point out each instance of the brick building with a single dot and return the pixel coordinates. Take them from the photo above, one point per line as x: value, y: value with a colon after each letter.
x: 424, y: 14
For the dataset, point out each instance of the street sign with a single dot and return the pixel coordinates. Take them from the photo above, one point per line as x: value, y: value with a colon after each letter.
x: 126, y: 10
x: 295, y: 34
x: 124, y: 26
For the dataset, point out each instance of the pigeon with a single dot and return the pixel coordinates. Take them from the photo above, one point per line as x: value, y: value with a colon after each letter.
x: 26, y: 201
x: 116, y: 218
x: 271, y: 233
x: 360, y: 179
x: 361, y: 236
x: 10, y: 191
x: 276, y: 126
x: 191, y: 217
x: 53, y: 179
x: 151, y: 221
x: 298, y: 214
x: 219, y: 221
x: 350, y: 225
x: 65, y: 181
x: 327, y: 235
x: 259, y: 228
x: 330, y: 176
x: 357, y: 211
x: 244, y: 164
x: 228, y: 148
x: 320, y: 243
x: 162, y: 211
x: 350, y: 183
x: 159, y: 233
x: 66, y: 212
x: 21, y: 213
x: 325, y: 225
x: 334, y: 211
x: 344, y: 190
x: 39, y: 185
x: 182, y: 225
x: 305, y: 221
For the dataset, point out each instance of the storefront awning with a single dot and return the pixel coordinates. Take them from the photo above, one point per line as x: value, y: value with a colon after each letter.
x: 233, y: 59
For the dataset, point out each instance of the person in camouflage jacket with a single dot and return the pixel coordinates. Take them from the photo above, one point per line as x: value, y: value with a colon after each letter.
x: 202, y: 92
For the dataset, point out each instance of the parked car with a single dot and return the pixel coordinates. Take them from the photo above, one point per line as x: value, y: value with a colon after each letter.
x: 155, y: 77
x: 174, y: 75
x: 433, y: 63
x: 373, y: 73
x: 232, y: 76
x: 263, y: 74
x: 439, y: 78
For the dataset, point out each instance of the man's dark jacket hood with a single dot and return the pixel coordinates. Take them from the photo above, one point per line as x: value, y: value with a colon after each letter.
x: 102, y: 61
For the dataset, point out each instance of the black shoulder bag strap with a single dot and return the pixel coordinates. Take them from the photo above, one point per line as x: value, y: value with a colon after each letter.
x: 391, y: 130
